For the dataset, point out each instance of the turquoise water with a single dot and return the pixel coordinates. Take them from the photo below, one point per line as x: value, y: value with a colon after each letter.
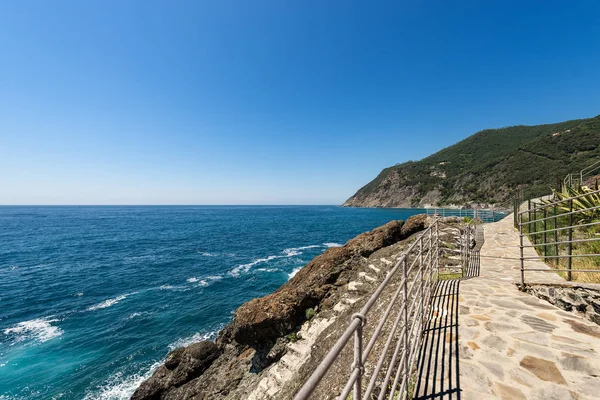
x: 92, y: 298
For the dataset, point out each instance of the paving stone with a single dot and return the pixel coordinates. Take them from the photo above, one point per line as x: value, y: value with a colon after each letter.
x: 523, y: 377
x: 500, y: 327
x: 543, y: 369
x: 546, y: 316
x: 554, y: 392
x: 584, y: 328
x: 532, y: 337
x: 538, y: 324
x: 573, y: 362
x: 509, y: 393
x: 475, y: 380
x: 495, y: 368
x: 495, y: 343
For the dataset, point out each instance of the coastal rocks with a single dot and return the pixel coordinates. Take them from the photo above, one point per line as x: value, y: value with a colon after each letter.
x: 277, y: 314
x: 182, y: 365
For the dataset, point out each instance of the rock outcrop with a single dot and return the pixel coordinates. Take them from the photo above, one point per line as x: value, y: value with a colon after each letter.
x: 182, y: 365
x: 258, y: 335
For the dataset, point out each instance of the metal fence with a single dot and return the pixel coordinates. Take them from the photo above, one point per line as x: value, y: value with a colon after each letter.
x: 555, y: 228
x: 580, y: 178
x: 387, y: 375
x: 481, y: 214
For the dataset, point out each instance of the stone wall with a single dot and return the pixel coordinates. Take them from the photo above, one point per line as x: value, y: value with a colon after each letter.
x: 579, y: 298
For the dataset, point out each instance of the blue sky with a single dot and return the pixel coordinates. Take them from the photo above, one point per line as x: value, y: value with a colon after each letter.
x: 270, y: 102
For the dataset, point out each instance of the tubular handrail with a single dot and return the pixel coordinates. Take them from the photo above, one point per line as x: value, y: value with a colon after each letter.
x: 589, y: 168
x: 561, y: 229
x: 560, y: 215
x: 556, y: 203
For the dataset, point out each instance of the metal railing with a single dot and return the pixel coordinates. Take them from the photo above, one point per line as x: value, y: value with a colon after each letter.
x: 580, y: 178
x: 387, y: 376
x: 482, y: 214
x: 554, y: 228
x: 589, y: 172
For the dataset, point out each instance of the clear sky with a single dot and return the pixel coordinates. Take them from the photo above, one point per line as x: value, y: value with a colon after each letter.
x: 270, y: 102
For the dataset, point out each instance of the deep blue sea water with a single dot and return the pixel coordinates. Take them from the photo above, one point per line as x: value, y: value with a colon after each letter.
x: 93, y: 298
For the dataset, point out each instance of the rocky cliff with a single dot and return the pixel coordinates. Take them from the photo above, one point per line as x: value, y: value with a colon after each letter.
x: 267, y: 350
x: 487, y: 167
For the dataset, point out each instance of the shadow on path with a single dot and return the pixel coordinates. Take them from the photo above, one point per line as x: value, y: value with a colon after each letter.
x: 438, y: 366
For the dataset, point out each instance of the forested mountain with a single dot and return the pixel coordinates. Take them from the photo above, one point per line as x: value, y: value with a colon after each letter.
x: 487, y: 167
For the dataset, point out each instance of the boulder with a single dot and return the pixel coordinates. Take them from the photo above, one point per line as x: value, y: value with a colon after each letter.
x: 182, y: 365
x: 414, y: 224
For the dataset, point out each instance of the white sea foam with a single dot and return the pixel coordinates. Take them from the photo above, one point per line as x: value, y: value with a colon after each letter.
x: 293, y: 273
x: 332, y: 245
x: 246, y: 267
x: 267, y: 269
x: 40, y: 329
x: 110, y: 302
x: 205, y: 281
x: 207, y: 254
x: 291, y: 252
x: 197, y: 337
x: 172, y: 287
x: 120, y: 386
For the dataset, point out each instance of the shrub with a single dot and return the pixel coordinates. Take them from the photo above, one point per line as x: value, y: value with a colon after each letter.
x: 309, y: 313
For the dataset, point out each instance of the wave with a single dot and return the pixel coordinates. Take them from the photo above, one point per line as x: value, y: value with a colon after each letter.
x: 209, y: 254
x: 267, y: 270
x: 196, y: 337
x: 205, y: 281
x: 246, y: 267
x: 328, y: 245
x: 293, y: 273
x: 121, y: 387
x: 290, y: 252
x: 40, y: 329
x: 110, y: 302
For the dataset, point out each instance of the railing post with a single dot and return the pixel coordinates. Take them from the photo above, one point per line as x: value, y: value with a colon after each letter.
x: 405, y: 311
x: 534, y: 224
x: 545, y: 234
x: 556, y: 246
x: 421, y: 276
x: 437, y: 248
x: 515, y: 211
x: 358, y: 359
x: 570, y: 261
x: 469, y: 244
x: 529, y: 215
x: 521, y: 251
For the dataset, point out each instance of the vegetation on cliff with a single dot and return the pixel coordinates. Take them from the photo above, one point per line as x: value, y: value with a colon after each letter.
x: 487, y: 167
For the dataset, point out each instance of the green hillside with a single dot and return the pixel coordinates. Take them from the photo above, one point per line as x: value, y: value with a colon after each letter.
x: 488, y: 166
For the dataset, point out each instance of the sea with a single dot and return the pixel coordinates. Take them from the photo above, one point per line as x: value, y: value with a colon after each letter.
x: 92, y: 298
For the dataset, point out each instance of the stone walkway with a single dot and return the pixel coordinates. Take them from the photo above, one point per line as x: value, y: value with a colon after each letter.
x: 512, y: 345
